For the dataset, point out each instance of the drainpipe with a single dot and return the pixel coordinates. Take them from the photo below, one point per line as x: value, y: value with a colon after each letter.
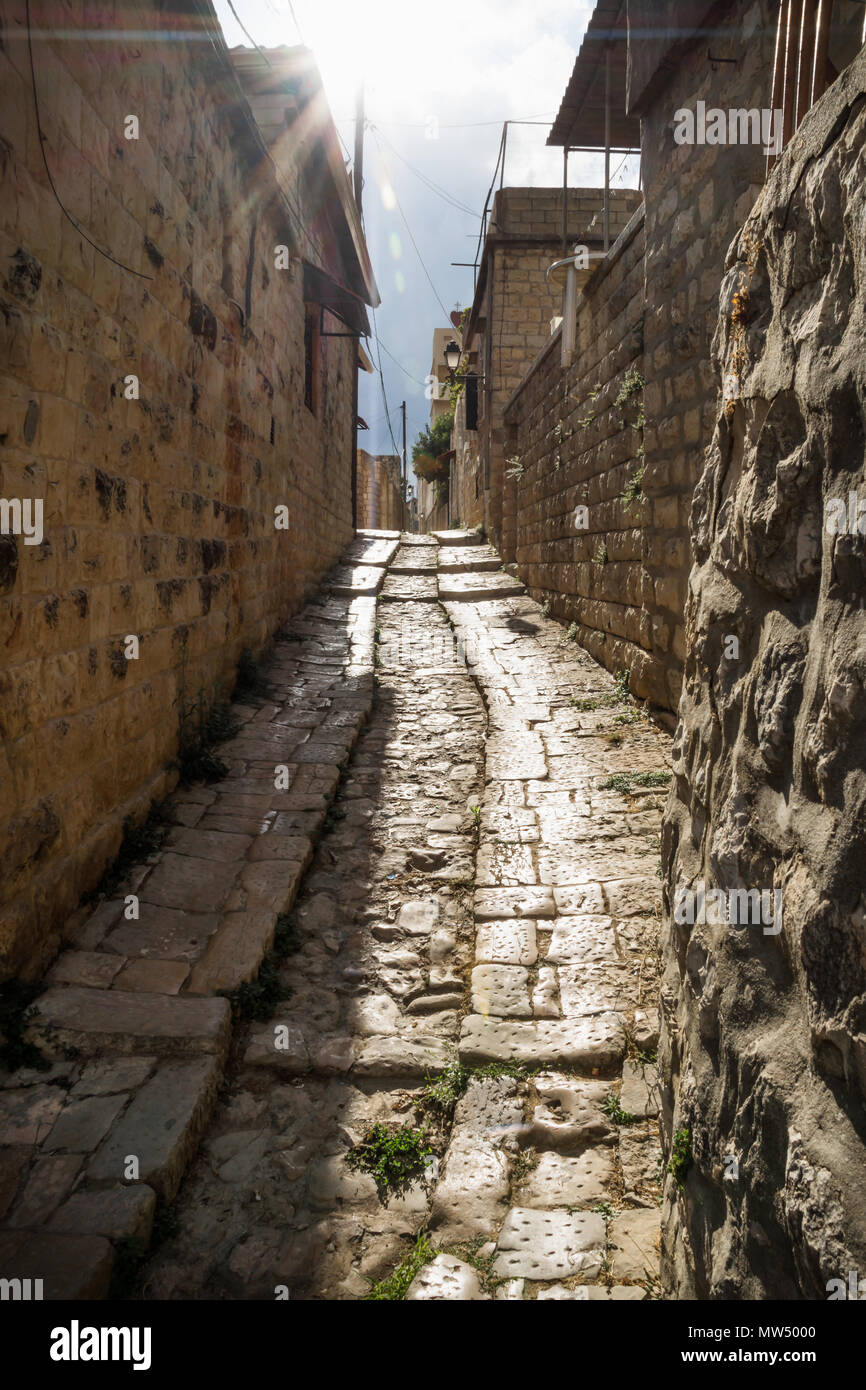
x: 607, y: 149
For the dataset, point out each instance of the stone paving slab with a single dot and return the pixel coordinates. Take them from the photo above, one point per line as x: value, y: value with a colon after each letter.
x: 408, y: 588
x: 72, y: 1267
x: 415, y: 559
x: 470, y: 588
x: 94, y: 1020
x: 368, y: 549
x: 634, y: 1239
x: 594, y: 1044
x: 350, y: 581
x: 452, y: 538
x: 468, y: 559
x: 550, y: 1244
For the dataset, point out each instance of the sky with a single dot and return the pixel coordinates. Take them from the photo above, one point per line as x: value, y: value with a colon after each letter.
x: 439, y: 81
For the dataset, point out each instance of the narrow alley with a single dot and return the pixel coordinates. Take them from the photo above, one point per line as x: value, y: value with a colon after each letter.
x: 470, y: 963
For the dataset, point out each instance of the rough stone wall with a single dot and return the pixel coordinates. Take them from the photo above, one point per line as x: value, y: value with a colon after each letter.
x: 763, y: 1043
x: 380, y: 505
x: 697, y: 196
x: 159, y: 512
x: 578, y: 448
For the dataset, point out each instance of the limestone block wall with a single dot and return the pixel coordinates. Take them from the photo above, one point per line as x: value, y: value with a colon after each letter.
x: 763, y: 1045
x: 697, y: 196
x: 380, y: 505
x: 572, y: 446
x: 159, y: 511
x: 511, y: 323
x: 467, y: 482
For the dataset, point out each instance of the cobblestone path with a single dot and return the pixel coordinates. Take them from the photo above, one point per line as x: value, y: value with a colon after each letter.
x: 470, y: 959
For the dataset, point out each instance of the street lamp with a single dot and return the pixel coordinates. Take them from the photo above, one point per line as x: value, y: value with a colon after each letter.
x: 453, y: 353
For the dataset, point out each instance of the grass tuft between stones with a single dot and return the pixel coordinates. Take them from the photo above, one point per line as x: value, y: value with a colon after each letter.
x: 395, y: 1287
x: 396, y: 1157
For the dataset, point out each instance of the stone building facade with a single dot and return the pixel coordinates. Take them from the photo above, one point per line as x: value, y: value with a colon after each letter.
x: 573, y: 435
x: 380, y: 492
x: 627, y: 597
x: 164, y: 402
x: 510, y: 321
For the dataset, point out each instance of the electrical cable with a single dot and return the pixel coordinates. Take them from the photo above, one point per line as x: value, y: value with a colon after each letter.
x: 408, y: 228
x: 382, y: 381
x: 434, y: 187
x: 398, y: 363
x: 68, y: 215
x: 470, y: 125
x: 489, y: 191
x: 260, y: 51
x: 297, y: 25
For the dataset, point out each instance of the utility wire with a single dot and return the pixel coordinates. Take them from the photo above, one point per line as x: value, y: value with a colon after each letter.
x: 470, y: 125
x: 408, y: 228
x: 382, y: 382
x: 68, y: 215
x: 297, y: 25
x: 247, y: 32
x: 434, y: 187
x: 398, y: 363
x: 489, y: 191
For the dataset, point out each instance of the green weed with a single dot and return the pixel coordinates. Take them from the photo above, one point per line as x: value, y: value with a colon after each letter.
x: 394, y: 1288
x: 395, y: 1158
x: 681, y: 1156
x: 615, y: 1112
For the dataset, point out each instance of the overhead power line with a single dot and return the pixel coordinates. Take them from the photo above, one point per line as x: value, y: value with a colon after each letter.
x: 397, y: 363
x: 382, y: 381
x: 408, y: 228
x: 260, y: 51
x: 433, y: 186
x: 470, y: 125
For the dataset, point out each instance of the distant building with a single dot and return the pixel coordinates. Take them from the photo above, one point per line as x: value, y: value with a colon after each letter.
x: 380, y: 492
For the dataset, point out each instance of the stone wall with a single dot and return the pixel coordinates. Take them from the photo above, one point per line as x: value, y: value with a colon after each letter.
x: 575, y: 447
x: 380, y: 500
x: 510, y: 323
x: 697, y: 196
x: 159, y: 517
x: 763, y: 1045
x: 467, y: 490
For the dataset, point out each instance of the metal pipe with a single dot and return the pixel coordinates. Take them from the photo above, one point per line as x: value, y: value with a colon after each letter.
x: 804, y: 61
x: 822, y: 47
x: 607, y: 148
x: 790, y: 72
x: 564, y: 199
x: 778, y: 79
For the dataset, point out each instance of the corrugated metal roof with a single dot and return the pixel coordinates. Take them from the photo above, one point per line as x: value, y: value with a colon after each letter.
x: 580, y: 120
